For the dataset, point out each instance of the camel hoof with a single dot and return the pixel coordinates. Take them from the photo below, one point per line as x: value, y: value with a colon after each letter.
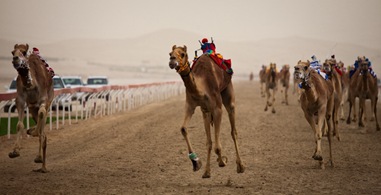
x: 13, y: 154
x: 222, y: 162
x: 240, y: 168
x: 378, y: 128
x: 196, y: 165
x: 348, y: 121
x: 38, y: 159
x: 206, y: 175
x: 42, y: 170
x: 32, y: 132
x: 265, y: 109
x: 317, y: 157
x: 273, y: 111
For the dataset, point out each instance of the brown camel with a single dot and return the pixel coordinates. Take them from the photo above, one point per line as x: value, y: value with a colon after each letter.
x: 262, y: 79
x: 284, y: 76
x: 208, y: 86
x: 317, y: 103
x: 271, y: 78
x: 364, y: 86
x: 35, y: 90
x: 330, y: 68
x: 344, y: 87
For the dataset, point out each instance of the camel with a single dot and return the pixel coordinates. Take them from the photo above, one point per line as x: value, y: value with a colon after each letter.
x: 208, y: 86
x: 35, y: 90
x: 329, y: 67
x: 271, y: 78
x: 262, y: 79
x: 344, y: 87
x: 364, y: 86
x: 284, y: 76
x: 317, y: 102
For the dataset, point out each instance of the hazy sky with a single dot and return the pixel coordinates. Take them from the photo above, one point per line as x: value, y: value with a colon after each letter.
x: 356, y: 21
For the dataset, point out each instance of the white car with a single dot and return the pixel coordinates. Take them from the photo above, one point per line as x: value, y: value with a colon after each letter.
x: 73, y: 82
x: 98, y: 81
x: 57, y: 84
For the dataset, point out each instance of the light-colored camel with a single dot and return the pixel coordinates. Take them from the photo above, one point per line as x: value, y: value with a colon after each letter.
x: 35, y: 90
x: 284, y: 76
x: 330, y: 69
x: 317, y: 103
x: 262, y: 79
x: 272, y: 79
x: 344, y: 87
x: 364, y: 86
x: 208, y: 86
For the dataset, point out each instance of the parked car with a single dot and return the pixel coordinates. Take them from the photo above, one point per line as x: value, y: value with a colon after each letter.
x: 73, y: 82
x: 10, y: 89
x: 57, y: 84
x: 97, y: 81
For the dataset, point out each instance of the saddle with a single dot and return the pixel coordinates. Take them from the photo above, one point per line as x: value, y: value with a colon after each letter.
x: 225, y: 64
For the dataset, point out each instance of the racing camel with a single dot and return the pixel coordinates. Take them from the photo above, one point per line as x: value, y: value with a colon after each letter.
x: 344, y: 86
x: 330, y: 68
x: 271, y: 78
x: 284, y: 76
x: 35, y: 90
x: 364, y: 86
x: 317, y: 103
x: 208, y: 86
x: 262, y: 79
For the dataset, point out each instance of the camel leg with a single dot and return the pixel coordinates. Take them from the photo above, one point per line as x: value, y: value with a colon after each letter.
x: 217, y: 117
x: 273, y: 101
x: 350, y: 111
x: 330, y: 118
x: 267, y: 99
x: 335, y: 119
x: 286, y: 94
x: 196, y: 162
x: 207, y: 121
x: 20, y: 127
x: 361, y: 112
x: 354, y: 119
x: 42, y: 138
x: 230, y: 108
x: 317, y: 129
x: 374, y: 106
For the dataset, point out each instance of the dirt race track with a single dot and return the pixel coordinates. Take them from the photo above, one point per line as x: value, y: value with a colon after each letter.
x: 143, y: 152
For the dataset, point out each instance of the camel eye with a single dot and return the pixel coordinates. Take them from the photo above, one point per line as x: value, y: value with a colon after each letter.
x: 305, y: 68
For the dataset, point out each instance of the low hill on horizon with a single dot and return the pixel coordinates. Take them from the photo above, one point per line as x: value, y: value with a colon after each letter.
x: 151, y: 51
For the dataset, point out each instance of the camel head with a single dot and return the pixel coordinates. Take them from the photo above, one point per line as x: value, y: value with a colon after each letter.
x: 302, y: 71
x: 20, y: 62
x: 363, y: 64
x: 178, y: 58
x: 286, y: 67
x: 328, y: 65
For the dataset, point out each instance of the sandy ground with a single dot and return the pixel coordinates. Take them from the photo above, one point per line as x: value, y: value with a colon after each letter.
x: 143, y: 152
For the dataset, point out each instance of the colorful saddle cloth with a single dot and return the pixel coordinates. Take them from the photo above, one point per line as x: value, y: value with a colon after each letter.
x: 225, y: 64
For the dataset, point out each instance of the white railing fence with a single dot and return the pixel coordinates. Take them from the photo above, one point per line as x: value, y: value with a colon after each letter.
x: 95, y: 102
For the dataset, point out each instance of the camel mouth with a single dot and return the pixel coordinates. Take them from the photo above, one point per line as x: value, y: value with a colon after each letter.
x: 173, y: 65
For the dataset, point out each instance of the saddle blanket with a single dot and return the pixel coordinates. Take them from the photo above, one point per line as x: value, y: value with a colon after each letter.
x: 225, y: 64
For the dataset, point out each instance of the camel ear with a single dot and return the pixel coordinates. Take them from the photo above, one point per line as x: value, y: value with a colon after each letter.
x: 27, y: 46
x: 185, y: 48
x: 16, y: 46
x: 173, y: 47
